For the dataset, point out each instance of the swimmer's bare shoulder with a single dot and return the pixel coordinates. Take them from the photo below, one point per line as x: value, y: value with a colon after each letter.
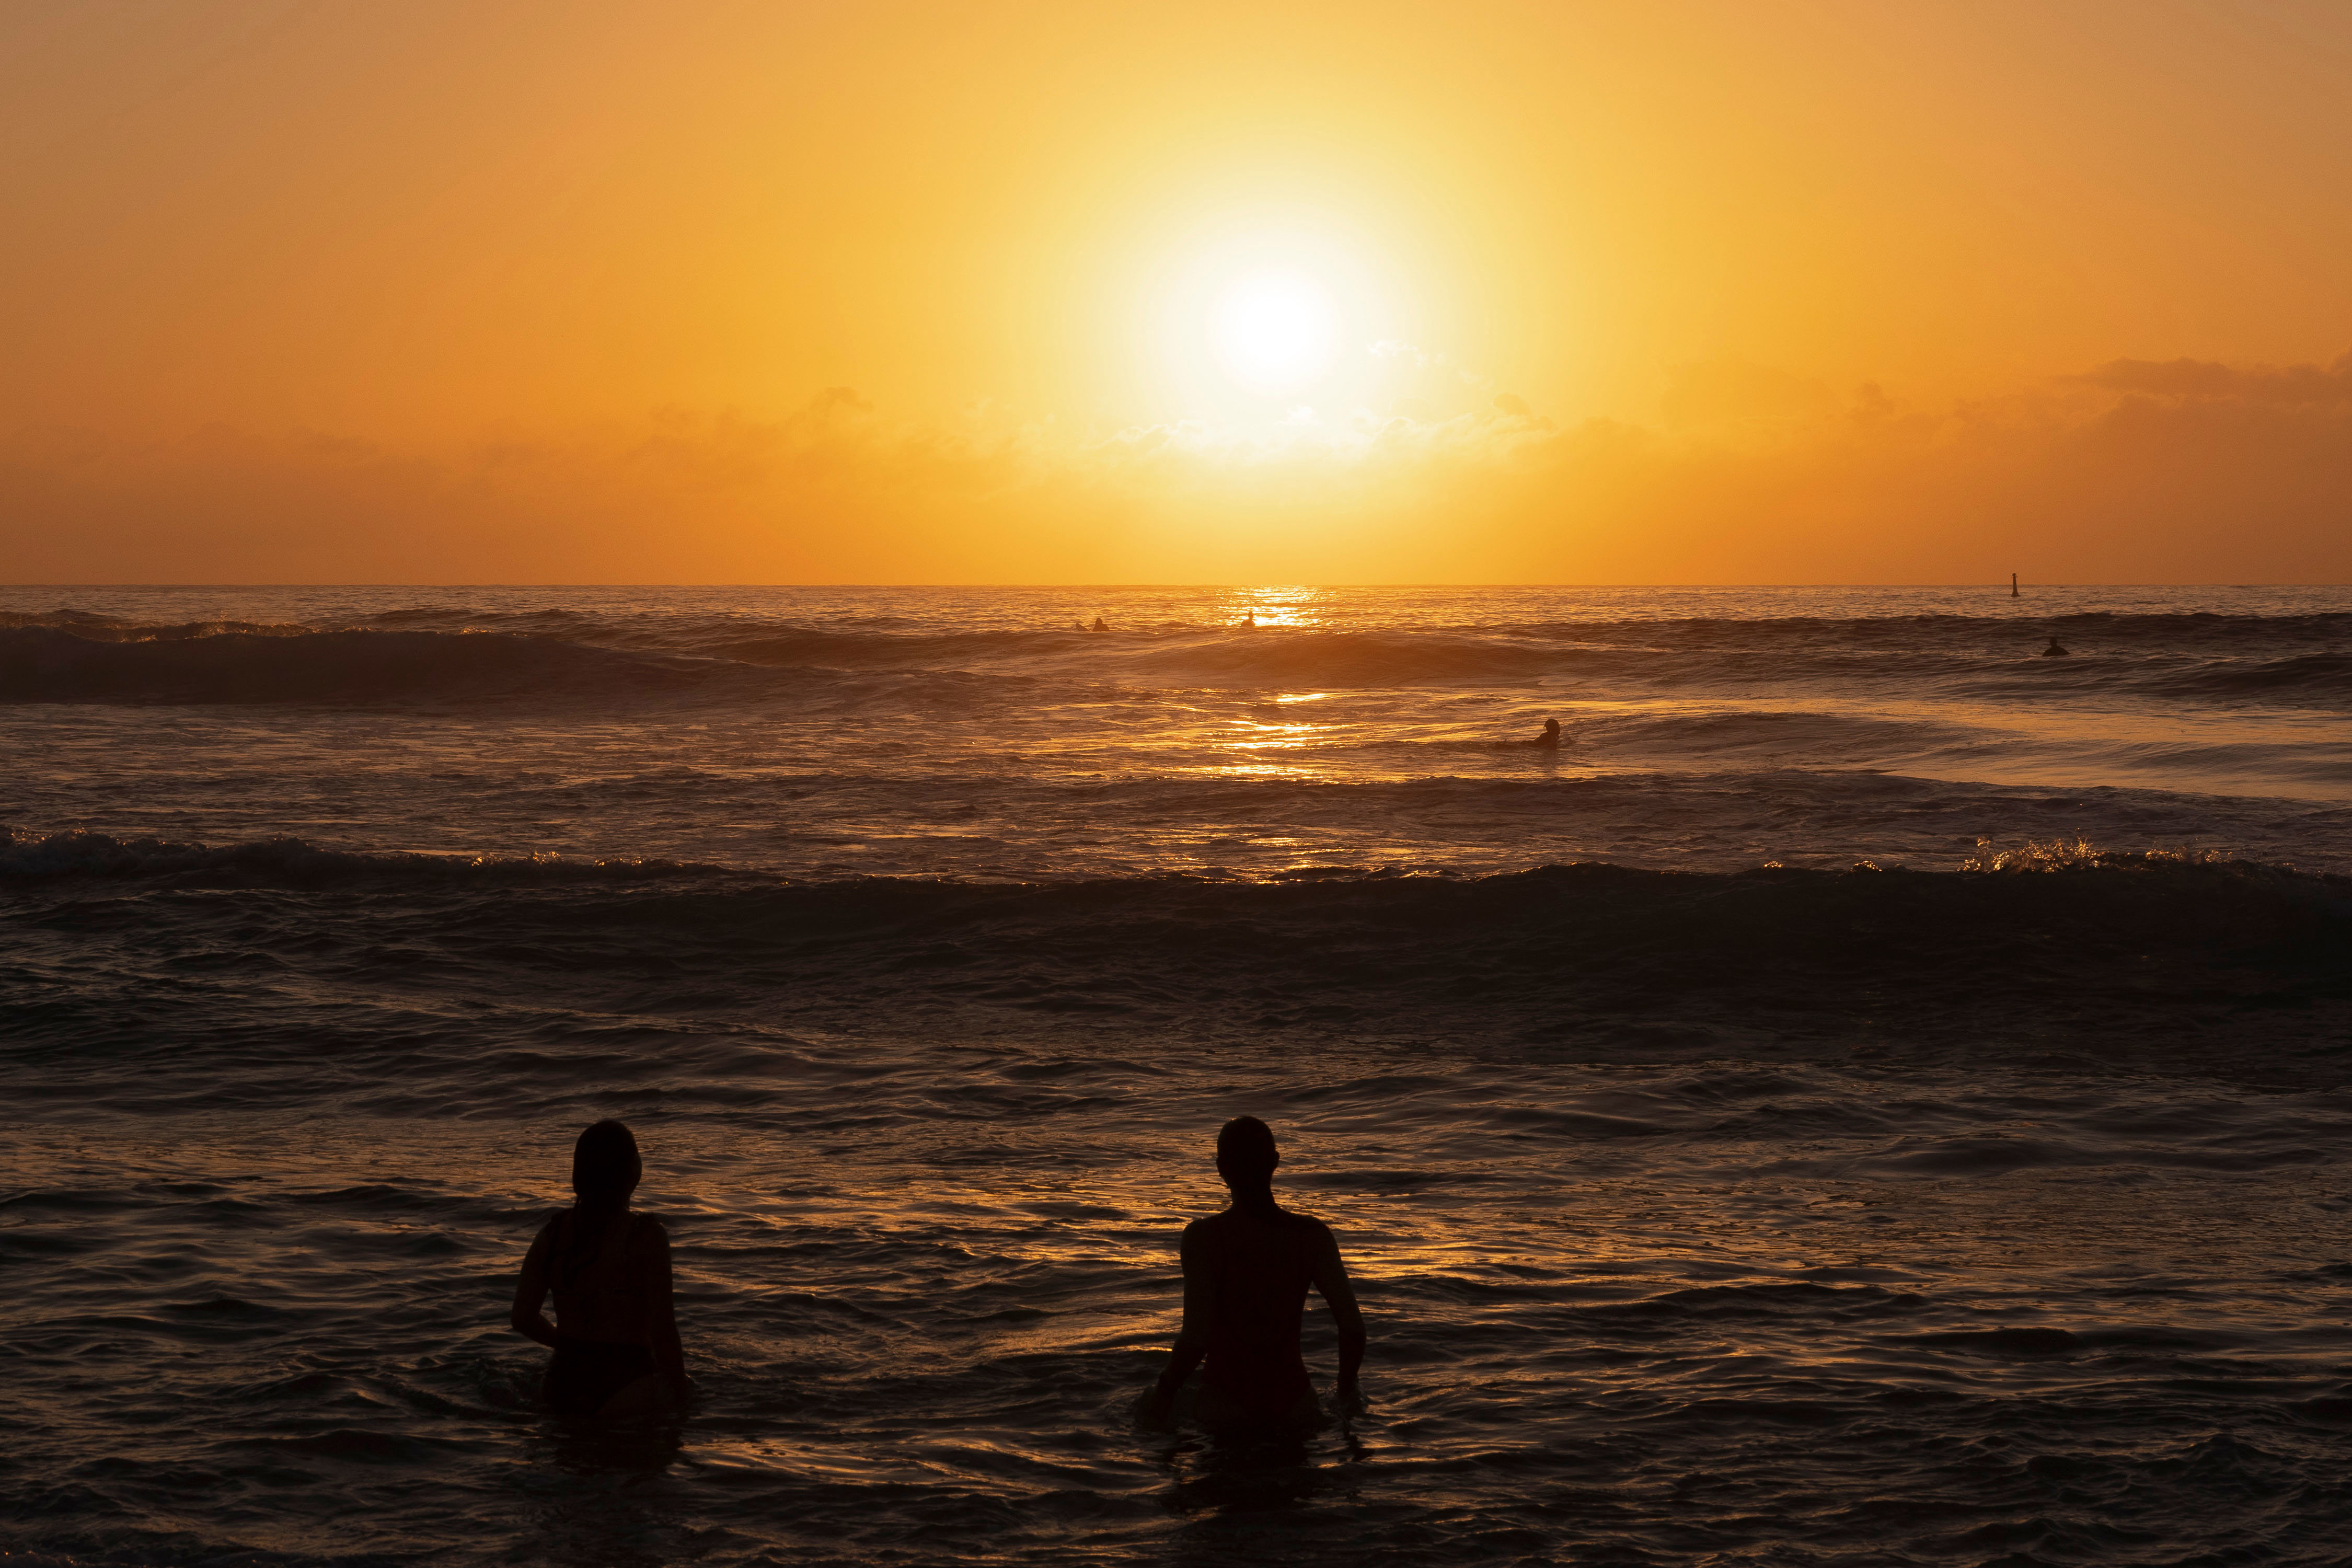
x: 1323, y: 1251
x: 648, y: 1248
x: 1200, y: 1233
x: 534, y: 1262
x: 1327, y: 1269
x: 1209, y: 1245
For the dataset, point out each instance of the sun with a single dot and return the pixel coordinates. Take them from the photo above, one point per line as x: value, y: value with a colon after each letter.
x: 1274, y: 332
x: 1249, y: 316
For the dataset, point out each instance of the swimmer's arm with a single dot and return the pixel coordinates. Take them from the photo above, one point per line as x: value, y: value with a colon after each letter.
x: 661, y: 1308
x: 531, y: 1291
x: 1331, y: 1275
x: 1192, y: 1338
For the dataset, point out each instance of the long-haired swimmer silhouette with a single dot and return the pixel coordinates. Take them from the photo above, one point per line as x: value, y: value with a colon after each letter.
x: 1549, y: 740
x: 1246, y: 1271
x: 615, y: 1329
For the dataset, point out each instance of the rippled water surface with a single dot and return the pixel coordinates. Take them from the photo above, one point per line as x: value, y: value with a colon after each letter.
x: 1702, y: 1211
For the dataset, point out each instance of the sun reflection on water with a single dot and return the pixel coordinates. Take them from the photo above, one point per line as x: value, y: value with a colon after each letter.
x: 1282, y: 608
x: 1266, y: 770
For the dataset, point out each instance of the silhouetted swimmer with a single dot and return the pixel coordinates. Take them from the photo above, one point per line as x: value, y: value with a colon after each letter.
x: 1249, y: 621
x: 2054, y: 651
x: 615, y: 1329
x: 1246, y: 1271
x: 1549, y: 739
x: 1099, y: 625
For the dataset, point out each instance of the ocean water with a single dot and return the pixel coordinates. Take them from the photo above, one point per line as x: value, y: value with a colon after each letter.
x: 1749, y: 1150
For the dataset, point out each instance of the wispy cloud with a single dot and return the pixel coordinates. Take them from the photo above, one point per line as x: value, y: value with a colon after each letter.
x: 2190, y: 378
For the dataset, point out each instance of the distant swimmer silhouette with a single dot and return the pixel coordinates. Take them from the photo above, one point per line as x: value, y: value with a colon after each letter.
x: 615, y: 1329
x: 2054, y: 651
x: 1246, y: 1270
x: 1549, y: 739
x: 1099, y: 625
x: 1249, y: 621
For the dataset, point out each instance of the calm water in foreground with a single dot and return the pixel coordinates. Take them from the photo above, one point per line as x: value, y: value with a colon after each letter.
x: 1729, y: 1177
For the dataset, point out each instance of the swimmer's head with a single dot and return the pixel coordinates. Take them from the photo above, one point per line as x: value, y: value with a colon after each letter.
x: 1245, y: 1150
x: 604, y: 1165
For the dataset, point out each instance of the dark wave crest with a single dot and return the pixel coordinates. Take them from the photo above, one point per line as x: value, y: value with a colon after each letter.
x: 109, y: 629
x: 426, y: 656
x: 2310, y: 677
x: 2035, y: 948
x: 75, y: 854
x: 43, y: 665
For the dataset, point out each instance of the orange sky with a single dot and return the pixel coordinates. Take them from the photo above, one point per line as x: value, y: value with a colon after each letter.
x: 1346, y: 293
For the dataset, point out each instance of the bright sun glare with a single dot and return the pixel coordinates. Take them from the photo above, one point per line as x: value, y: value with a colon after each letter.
x: 1274, y: 332
x: 1261, y: 317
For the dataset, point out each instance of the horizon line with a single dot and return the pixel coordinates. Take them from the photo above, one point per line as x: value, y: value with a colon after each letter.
x: 1074, y: 586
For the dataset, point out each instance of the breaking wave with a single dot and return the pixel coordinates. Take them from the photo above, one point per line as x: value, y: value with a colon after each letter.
x: 33, y: 857
x: 426, y: 656
x: 2108, y: 897
x: 42, y: 665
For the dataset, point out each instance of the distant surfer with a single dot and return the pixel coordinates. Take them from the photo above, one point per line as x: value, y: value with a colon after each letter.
x: 1246, y: 1270
x: 1249, y: 621
x: 615, y: 1329
x: 1099, y: 625
x: 2054, y: 650
x: 1549, y: 740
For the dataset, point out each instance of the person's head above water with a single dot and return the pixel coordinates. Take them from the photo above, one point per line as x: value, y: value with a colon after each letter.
x: 1246, y: 1154
x: 606, y: 1168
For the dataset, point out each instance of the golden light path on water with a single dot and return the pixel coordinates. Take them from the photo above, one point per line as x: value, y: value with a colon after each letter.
x: 2057, y: 744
